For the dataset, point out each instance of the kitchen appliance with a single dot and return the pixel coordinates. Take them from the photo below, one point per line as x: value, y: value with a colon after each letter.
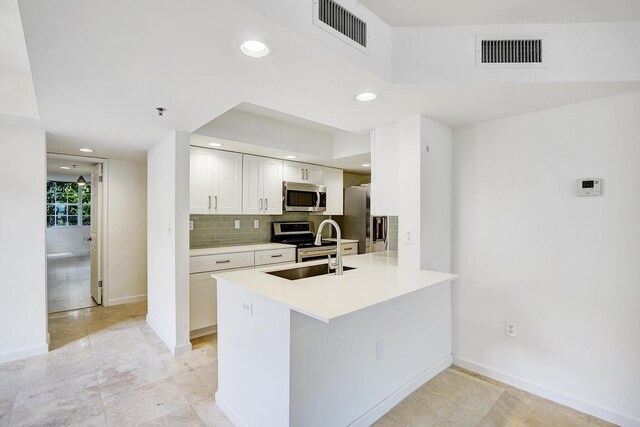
x: 301, y: 234
x: 358, y: 224
x: 301, y: 197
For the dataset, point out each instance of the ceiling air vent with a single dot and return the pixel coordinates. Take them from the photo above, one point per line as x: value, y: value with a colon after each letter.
x: 334, y: 18
x: 509, y: 52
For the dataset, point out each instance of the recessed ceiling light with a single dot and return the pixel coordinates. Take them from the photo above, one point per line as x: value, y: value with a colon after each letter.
x: 86, y: 150
x: 366, y: 96
x: 366, y: 165
x: 254, y: 48
x: 291, y: 157
x: 65, y: 167
x: 215, y: 144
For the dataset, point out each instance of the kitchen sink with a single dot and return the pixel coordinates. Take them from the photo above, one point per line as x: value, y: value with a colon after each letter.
x: 307, y: 271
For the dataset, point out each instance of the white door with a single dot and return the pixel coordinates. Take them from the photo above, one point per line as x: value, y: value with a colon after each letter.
x: 252, y: 185
x: 294, y: 172
x: 95, y: 253
x: 314, y: 174
x: 200, y: 182
x: 227, y: 183
x: 272, y: 186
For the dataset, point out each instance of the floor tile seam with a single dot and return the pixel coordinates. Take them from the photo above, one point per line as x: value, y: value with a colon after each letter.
x: 13, y: 405
x: 193, y: 406
x: 492, y: 406
x: 456, y: 403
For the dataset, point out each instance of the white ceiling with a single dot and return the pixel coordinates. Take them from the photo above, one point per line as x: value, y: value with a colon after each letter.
x: 101, y: 68
x: 82, y: 168
x: 404, y: 13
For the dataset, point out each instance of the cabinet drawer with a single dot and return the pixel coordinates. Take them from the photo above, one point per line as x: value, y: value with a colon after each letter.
x: 199, y: 264
x: 275, y: 256
x: 349, y: 249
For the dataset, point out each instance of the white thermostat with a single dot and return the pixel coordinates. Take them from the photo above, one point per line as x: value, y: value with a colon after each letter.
x: 589, y: 187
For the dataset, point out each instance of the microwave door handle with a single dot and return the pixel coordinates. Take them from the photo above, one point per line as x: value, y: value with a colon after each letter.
x: 318, y: 199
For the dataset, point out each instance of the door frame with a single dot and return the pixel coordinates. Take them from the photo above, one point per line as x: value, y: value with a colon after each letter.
x: 103, y: 226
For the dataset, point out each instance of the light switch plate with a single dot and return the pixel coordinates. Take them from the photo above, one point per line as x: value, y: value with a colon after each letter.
x: 190, y: 225
x: 247, y: 308
x: 236, y: 224
x: 256, y: 223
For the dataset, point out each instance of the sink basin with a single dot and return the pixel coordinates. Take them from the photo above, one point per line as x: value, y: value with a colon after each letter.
x: 304, y: 272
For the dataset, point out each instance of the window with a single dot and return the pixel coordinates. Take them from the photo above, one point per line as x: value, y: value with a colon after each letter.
x: 68, y: 204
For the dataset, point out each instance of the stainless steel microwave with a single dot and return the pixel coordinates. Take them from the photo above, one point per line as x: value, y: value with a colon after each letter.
x: 299, y: 197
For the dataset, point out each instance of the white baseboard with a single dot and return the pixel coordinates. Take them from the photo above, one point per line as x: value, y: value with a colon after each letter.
x: 127, y: 300
x: 24, y: 352
x: 547, y: 393
x: 177, y: 349
x: 79, y: 252
x: 229, y: 411
x: 385, y: 406
x: 181, y: 349
x: 197, y: 333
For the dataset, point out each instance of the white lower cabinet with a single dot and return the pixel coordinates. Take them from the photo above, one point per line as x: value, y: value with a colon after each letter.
x: 203, y: 302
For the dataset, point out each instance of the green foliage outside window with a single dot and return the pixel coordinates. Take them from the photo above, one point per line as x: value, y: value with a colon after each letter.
x: 68, y: 204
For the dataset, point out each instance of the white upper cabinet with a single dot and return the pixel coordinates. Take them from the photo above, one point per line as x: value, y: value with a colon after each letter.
x: 262, y: 185
x: 303, y: 172
x: 201, y: 181
x: 334, y: 180
x: 272, y: 185
x: 227, y: 183
x: 215, y: 182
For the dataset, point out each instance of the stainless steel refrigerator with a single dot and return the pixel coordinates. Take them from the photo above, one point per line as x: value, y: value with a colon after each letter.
x: 357, y: 223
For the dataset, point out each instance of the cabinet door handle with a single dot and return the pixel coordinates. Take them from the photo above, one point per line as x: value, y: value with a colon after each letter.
x: 260, y: 205
x: 276, y: 256
x: 302, y: 170
x: 216, y: 204
x: 266, y: 205
x: 209, y: 202
x: 223, y: 261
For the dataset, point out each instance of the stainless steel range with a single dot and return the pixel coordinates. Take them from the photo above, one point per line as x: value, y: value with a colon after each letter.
x: 301, y: 234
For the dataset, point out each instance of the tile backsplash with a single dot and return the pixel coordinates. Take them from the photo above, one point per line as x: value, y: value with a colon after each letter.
x: 218, y: 230
x: 393, y: 233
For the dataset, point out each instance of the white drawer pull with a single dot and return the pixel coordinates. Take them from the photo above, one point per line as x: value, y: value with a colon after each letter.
x: 223, y: 261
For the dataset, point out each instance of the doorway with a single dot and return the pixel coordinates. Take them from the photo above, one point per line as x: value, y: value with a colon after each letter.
x: 73, y: 237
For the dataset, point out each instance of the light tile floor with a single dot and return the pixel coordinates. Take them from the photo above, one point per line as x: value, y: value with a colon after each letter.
x: 107, y: 367
x: 68, y: 282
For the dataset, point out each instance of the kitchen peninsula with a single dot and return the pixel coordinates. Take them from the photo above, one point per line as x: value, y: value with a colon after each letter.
x: 329, y: 350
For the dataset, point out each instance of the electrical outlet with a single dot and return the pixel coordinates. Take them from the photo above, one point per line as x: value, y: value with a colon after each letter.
x: 247, y: 308
x: 379, y: 350
x: 236, y: 224
x: 256, y: 223
x: 510, y: 330
x: 190, y: 225
x: 408, y: 237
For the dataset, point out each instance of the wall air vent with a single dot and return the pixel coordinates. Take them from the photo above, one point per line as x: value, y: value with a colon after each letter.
x: 510, y: 52
x: 334, y: 18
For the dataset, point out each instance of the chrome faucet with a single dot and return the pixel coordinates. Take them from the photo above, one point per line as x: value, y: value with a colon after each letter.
x: 338, y: 264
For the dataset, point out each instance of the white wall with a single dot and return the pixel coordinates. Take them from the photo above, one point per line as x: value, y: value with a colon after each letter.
x: 576, y: 52
x: 126, y: 249
x: 23, y: 309
x: 435, y: 196
x: 564, y: 269
x: 168, y: 240
x: 71, y: 240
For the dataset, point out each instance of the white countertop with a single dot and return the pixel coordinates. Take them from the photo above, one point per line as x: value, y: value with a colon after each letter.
x: 239, y: 248
x: 376, y: 279
x: 341, y: 240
